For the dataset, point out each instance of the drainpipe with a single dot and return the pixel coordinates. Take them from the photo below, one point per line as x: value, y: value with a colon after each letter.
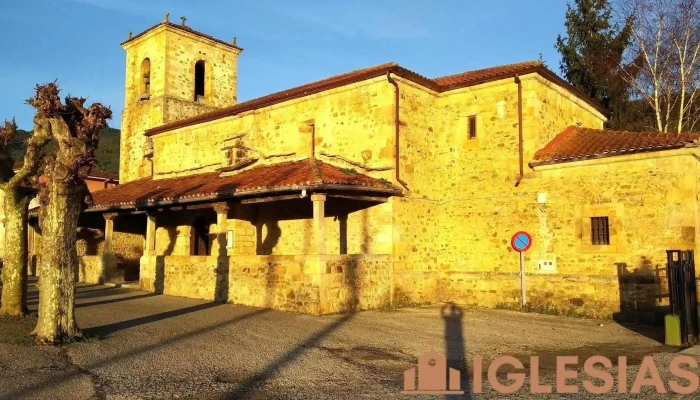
x: 520, y: 128
x: 396, y: 130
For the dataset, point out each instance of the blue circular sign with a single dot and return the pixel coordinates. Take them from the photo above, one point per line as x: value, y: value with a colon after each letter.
x: 521, y: 241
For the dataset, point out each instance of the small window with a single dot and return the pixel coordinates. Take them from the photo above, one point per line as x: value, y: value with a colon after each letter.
x: 228, y: 157
x: 146, y: 77
x: 471, y: 127
x: 199, y: 68
x: 600, y: 231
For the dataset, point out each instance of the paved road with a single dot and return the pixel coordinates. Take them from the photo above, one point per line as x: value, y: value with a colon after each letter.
x: 156, y: 346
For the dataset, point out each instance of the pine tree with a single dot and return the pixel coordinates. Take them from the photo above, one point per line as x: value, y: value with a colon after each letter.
x: 592, y: 55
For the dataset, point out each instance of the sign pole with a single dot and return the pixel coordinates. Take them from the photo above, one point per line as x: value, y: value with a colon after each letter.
x: 522, y: 279
x: 521, y: 242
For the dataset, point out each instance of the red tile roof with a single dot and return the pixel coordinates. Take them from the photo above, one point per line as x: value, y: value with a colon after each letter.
x: 442, y: 84
x: 481, y: 75
x: 286, y: 176
x: 184, y: 29
x: 576, y: 144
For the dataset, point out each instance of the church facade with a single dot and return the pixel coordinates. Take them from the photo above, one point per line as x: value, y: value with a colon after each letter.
x: 381, y: 187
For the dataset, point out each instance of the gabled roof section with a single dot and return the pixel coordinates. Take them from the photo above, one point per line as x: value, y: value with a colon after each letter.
x: 183, y: 29
x: 280, y: 177
x: 439, y: 85
x: 487, y: 74
x: 577, y: 144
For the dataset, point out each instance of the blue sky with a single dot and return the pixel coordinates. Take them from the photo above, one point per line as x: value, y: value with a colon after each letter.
x: 287, y: 43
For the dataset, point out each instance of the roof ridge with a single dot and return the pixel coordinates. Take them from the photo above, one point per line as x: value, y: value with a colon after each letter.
x: 532, y: 63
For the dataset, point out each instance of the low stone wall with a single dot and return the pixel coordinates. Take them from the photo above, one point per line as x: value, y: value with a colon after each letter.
x: 99, y: 269
x: 355, y: 282
x: 308, y: 284
x: 639, y: 298
x: 288, y: 283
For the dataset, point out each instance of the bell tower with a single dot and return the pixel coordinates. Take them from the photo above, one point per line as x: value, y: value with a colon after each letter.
x: 172, y: 72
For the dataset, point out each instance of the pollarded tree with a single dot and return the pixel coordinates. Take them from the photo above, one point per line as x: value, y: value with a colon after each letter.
x: 19, y: 187
x: 63, y: 195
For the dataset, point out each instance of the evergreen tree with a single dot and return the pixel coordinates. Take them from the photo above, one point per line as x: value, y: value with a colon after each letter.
x: 592, y: 55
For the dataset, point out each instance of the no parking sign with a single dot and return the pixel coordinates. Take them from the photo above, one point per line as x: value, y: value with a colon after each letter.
x: 521, y: 242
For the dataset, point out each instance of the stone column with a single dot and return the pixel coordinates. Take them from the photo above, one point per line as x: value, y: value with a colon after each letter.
x: 109, y: 232
x: 107, y: 263
x: 221, y: 228
x: 150, y: 246
x: 343, y: 227
x: 319, y: 201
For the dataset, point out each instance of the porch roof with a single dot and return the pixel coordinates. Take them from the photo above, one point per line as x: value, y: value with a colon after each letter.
x: 280, y: 177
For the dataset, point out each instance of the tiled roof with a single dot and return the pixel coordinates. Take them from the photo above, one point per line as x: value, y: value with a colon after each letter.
x: 283, y: 176
x: 101, y: 174
x: 184, y: 29
x: 443, y: 84
x: 94, y: 173
x: 576, y: 144
x: 481, y: 75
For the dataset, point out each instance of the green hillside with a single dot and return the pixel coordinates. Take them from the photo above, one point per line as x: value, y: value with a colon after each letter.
x: 107, y: 151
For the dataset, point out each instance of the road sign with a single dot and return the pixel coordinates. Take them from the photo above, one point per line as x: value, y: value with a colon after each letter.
x: 521, y: 241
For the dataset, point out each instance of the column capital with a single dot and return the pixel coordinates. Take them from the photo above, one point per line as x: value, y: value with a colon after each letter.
x: 318, y: 197
x: 221, y: 208
x: 110, y: 216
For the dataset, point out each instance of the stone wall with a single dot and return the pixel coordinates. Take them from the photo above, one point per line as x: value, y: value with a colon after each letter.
x: 99, y: 269
x: 281, y: 132
x: 355, y: 282
x: 309, y: 284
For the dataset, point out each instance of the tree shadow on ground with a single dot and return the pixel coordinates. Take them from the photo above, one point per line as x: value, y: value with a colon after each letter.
x: 31, y: 391
x: 106, y: 330
x: 117, y: 300
x: 259, y: 379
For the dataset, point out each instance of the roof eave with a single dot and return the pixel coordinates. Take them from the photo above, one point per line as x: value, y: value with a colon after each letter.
x: 249, y: 193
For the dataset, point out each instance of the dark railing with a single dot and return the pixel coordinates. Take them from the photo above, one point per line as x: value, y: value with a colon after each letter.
x: 682, y: 291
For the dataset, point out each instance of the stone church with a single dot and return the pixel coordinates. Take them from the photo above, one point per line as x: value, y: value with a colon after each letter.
x: 381, y: 188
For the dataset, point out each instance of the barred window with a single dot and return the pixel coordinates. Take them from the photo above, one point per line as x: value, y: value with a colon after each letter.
x: 472, y: 127
x: 600, y: 231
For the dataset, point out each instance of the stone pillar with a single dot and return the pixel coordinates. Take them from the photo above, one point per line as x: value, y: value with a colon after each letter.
x: 343, y: 230
x: 107, y: 263
x: 221, y: 228
x: 109, y: 232
x: 319, y: 201
x: 150, y: 245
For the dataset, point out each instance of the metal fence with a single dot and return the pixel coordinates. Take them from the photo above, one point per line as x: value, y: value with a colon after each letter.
x: 682, y: 291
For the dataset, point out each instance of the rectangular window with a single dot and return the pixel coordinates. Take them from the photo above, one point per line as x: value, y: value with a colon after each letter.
x: 600, y: 231
x: 229, y: 239
x: 471, y: 126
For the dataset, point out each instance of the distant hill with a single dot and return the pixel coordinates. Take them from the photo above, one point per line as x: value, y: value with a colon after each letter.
x: 107, y: 151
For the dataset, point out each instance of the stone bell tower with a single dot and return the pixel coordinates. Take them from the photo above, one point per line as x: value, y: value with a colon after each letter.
x: 172, y: 72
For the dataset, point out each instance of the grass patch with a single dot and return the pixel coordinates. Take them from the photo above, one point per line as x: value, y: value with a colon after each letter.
x: 22, y: 339
x: 349, y: 171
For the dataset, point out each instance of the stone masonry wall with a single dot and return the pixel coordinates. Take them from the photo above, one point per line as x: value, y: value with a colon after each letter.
x: 281, y: 132
x: 309, y: 284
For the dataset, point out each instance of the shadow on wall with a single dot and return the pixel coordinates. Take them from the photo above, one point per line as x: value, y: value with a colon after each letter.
x: 159, y: 280
x: 455, y: 347
x: 265, y: 247
x: 643, y: 297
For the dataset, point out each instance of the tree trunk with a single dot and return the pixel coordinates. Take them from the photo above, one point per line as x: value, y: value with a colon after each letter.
x: 59, y: 261
x: 14, y: 271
